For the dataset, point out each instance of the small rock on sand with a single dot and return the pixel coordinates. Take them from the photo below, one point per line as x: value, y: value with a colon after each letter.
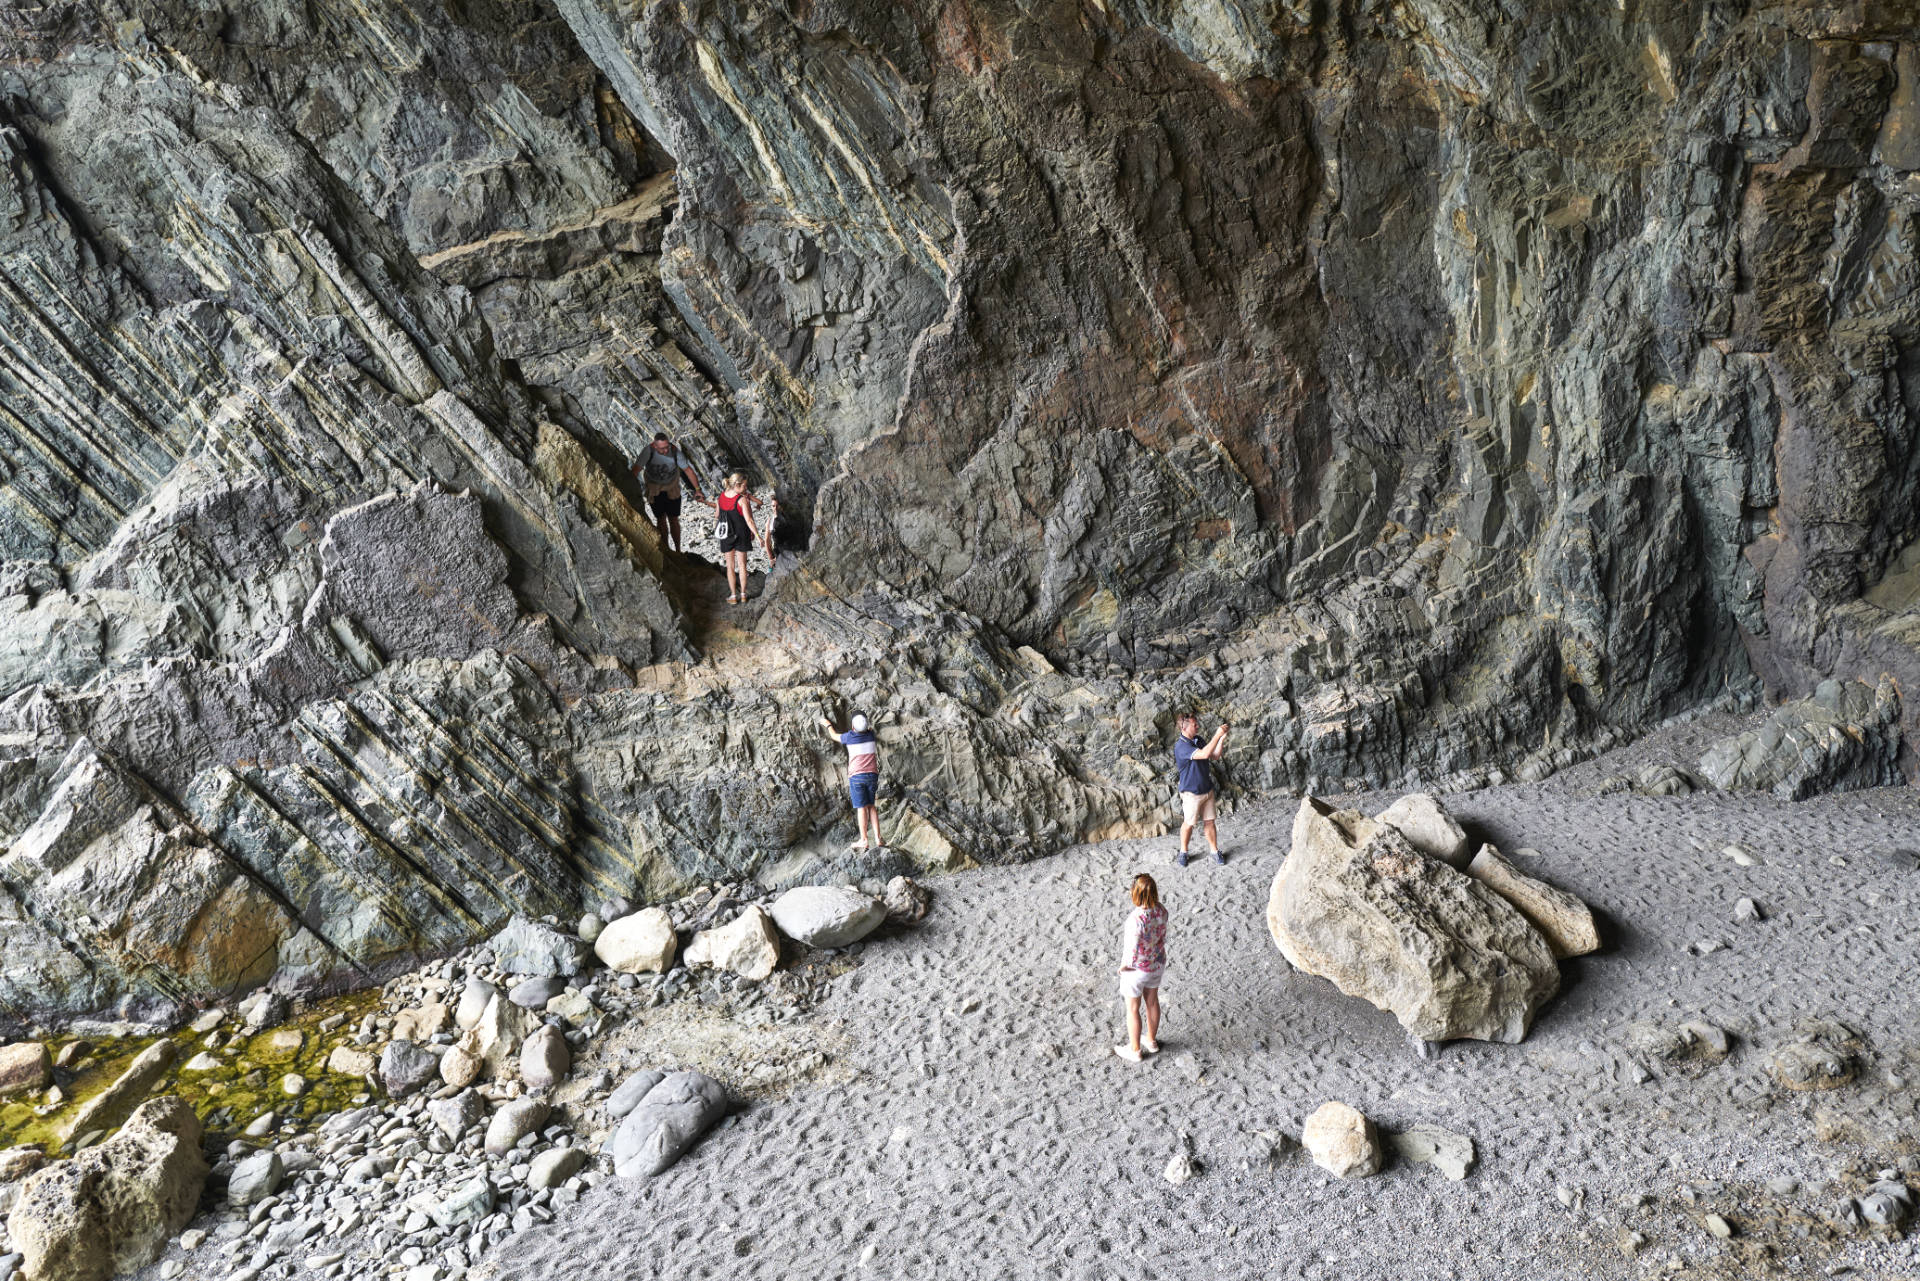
x: 1341, y: 1141
x: 1449, y: 1153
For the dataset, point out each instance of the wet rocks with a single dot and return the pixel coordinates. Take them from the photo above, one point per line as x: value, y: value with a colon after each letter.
x: 530, y: 948
x: 748, y: 945
x: 1562, y: 919
x: 1845, y: 736
x: 25, y: 1065
x: 1356, y: 903
x: 112, y: 1207
x: 263, y: 1010
x: 1341, y: 1141
x: 132, y: 1085
x: 827, y: 915
x: 668, y: 1120
x: 345, y: 1060
x: 641, y: 943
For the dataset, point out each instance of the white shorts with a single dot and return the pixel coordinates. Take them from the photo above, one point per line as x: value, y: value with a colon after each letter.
x: 1197, y: 809
x: 1134, y: 983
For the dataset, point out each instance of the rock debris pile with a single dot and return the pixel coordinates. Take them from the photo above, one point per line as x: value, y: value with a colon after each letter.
x: 472, y: 1121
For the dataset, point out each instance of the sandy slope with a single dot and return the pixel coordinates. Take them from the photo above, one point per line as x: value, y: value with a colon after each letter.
x: 990, y: 1132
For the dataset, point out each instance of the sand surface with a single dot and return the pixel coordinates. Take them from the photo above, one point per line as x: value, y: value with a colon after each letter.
x: 980, y: 1125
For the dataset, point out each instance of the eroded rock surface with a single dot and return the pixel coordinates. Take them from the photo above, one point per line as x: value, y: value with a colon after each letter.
x: 1447, y: 955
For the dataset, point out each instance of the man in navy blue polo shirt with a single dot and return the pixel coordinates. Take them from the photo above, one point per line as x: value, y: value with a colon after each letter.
x: 1196, y: 783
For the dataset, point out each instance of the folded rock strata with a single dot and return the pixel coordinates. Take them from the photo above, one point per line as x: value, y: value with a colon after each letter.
x: 1428, y: 397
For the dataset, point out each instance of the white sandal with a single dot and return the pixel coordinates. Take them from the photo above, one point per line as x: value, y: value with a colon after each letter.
x: 1128, y: 1053
x: 1149, y: 1046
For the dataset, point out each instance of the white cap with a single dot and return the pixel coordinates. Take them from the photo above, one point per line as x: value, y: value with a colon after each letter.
x: 859, y: 722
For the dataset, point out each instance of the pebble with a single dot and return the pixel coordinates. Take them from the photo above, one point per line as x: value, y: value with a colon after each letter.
x: 1719, y: 1226
x: 1739, y: 856
x: 1746, y: 911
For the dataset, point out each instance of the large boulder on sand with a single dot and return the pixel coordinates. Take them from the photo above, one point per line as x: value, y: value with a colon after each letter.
x: 748, y: 945
x: 1356, y: 903
x: 113, y: 1207
x: 827, y: 915
x: 667, y: 1121
x: 1562, y: 919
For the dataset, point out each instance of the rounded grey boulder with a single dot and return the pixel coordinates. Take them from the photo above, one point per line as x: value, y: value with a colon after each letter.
x: 827, y: 915
x: 670, y: 1119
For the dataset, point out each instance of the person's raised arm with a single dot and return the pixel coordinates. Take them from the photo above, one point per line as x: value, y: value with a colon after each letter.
x: 832, y: 733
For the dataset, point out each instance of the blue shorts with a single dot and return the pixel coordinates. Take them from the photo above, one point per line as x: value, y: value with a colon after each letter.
x: 861, y: 789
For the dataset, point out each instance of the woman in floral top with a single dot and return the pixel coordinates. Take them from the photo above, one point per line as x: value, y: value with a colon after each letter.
x: 1143, y: 957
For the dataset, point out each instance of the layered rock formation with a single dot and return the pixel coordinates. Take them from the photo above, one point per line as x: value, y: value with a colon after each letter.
x: 1429, y: 390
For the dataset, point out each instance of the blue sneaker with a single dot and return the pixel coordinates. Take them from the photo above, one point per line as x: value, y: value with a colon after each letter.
x: 1180, y: 859
x: 1220, y: 858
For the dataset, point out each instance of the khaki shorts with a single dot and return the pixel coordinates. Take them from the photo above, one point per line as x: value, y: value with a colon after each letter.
x: 1197, y: 809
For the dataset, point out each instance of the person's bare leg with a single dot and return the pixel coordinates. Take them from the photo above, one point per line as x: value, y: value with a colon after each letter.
x: 1213, y: 838
x: 1133, y: 1023
x: 1151, y: 1002
x: 673, y: 523
x: 662, y: 524
x: 873, y: 813
x: 1186, y: 835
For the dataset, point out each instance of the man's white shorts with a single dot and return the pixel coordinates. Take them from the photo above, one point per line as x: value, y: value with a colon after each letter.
x: 1197, y: 809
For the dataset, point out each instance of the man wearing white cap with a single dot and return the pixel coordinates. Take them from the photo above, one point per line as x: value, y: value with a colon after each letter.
x: 863, y: 776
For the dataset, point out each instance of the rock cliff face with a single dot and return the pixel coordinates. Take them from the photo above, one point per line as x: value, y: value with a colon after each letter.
x: 1433, y: 389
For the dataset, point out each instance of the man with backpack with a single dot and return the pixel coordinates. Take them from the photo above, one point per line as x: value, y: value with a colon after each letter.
x: 660, y: 471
